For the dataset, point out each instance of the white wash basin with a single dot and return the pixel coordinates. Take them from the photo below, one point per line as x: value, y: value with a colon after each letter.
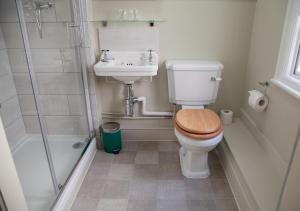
x: 127, y: 66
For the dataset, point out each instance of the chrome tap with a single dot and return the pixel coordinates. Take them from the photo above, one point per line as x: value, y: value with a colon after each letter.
x: 105, y: 57
x: 150, y: 56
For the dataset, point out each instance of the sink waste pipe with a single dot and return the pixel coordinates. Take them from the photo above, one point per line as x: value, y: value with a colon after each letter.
x: 143, y: 100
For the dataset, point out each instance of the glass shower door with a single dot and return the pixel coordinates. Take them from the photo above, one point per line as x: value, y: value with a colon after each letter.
x: 18, y: 112
x: 54, y: 44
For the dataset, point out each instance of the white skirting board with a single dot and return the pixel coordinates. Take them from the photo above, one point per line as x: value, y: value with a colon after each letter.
x: 241, y: 192
x: 71, y: 189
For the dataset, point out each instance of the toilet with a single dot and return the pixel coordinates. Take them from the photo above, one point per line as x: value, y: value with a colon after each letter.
x: 193, y: 84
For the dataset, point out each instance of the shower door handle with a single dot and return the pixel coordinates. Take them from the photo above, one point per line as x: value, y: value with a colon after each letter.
x: 216, y: 79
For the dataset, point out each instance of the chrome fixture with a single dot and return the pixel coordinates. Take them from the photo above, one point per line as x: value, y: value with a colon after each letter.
x: 150, y: 56
x: 129, y: 100
x: 39, y: 6
x: 104, y: 56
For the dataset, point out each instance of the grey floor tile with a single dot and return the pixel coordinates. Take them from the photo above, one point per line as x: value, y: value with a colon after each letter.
x: 148, y: 145
x: 112, y: 205
x: 198, y: 189
x: 168, y: 146
x: 170, y: 171
x: 143, y: 189
x: 141, y: 205
x: 146, y: 172
x: 98, y: 170
x: 146, y: 157
x: 125, y: 157
x: 217, y: 172
x: 121, y: 172
x: 91, y: 188
x: 201, y: 205
x: 130, y: 146
x: 103, y: 157
x: 171, y: 190
x: 168, y: 158
x: 116, y: 189
x: 221, y: 188
x: 213, y: 158
x: 226, y: 205
x: 171, y: 205
x: 85, y: 204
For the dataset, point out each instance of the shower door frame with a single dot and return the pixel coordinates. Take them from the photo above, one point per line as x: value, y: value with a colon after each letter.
x: 79, y: 36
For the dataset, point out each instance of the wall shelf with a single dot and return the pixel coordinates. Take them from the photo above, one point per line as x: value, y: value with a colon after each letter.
x: 151, y: 22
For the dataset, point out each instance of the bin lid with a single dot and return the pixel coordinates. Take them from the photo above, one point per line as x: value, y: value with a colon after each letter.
x: 110, y: 127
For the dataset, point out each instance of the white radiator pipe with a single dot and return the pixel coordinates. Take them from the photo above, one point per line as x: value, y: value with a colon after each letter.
x: 151, y: 113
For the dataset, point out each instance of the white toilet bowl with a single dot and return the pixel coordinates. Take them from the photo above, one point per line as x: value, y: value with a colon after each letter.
x: 193, y: 155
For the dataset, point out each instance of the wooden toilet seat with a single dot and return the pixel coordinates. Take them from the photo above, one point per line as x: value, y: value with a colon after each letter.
x: 199, y: 124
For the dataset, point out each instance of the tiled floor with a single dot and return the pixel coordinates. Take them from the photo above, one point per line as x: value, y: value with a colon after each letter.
x: 146, y: 176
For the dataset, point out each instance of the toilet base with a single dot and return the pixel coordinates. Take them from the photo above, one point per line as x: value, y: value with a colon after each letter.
x: 194, y: 164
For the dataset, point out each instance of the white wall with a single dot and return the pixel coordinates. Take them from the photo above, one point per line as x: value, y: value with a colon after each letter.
x: 218, y: 29
x: 9, y: 182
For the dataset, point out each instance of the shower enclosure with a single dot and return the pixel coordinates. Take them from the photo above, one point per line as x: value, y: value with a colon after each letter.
x: 43, y: 93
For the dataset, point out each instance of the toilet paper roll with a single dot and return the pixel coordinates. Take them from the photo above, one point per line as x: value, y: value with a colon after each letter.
x: 226, y: 116
x: 257, y: 100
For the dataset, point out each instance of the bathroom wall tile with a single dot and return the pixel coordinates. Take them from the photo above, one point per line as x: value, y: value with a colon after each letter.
x: 17, y: 59
x: 32, y: 124
x: 47, y: 60
x: 27, y: 104
x: 15, y: 132
x: 63, y: 125
x: 4, y: 63
x: 48, y: 15
x: 63, y: 10
x: 53, y: 105
x: 59, y: 83
x: 23, y: 83
x: 55, y: 35
x: 69, y: 60
x: 12, y: 35
x: 7, y: 87
x: 8, y: 11
x: 76, y: 106
x: 10, y: 111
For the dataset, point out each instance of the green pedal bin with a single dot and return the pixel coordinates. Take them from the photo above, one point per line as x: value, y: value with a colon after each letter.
x: 111, y: 137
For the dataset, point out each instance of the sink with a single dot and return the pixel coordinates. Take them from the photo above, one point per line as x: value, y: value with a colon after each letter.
x: 128, y: 66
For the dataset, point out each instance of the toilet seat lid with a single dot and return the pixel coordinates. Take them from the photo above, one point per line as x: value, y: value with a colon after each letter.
x: 199, y: 121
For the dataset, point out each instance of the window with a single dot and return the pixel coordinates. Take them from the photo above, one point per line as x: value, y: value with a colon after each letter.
x: 287, y: 74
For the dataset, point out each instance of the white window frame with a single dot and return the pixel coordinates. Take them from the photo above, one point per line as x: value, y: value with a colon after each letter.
x: 285, y: 76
